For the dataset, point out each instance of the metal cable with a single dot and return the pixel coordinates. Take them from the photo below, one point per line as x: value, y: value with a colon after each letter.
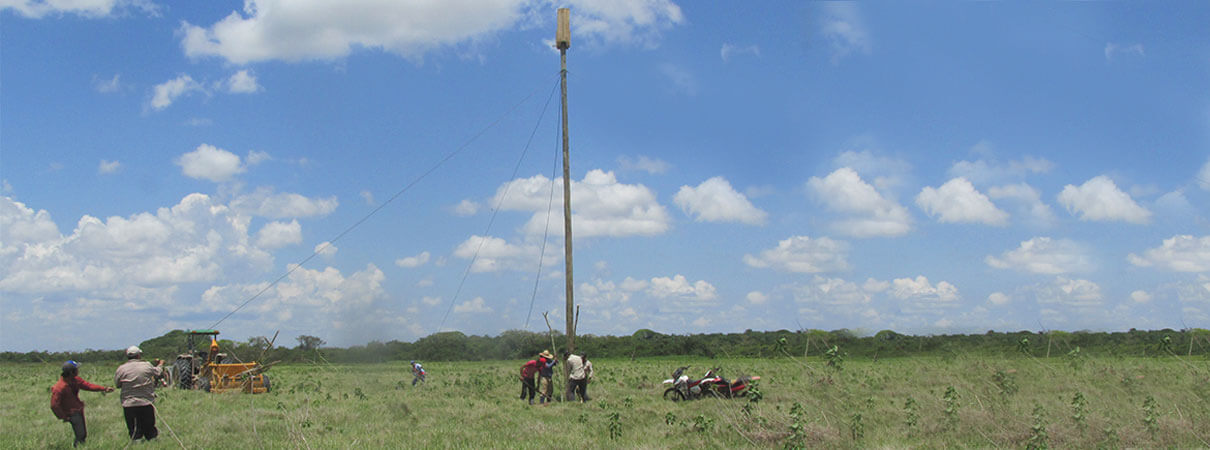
x: 496, y: 211
x: 406, y: 187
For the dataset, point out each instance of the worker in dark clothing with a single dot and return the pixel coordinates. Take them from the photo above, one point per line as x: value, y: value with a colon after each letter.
x: 546, y: 372
x: 65, y: 399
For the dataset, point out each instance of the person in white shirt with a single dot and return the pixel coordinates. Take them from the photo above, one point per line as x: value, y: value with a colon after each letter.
x: 137, y: 379
x: 581, y: 374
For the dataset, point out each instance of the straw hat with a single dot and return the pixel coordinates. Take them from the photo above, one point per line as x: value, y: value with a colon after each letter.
x: 546, y: 354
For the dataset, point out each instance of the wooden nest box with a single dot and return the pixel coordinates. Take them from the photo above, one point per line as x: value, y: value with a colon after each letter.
x: 563, y: 34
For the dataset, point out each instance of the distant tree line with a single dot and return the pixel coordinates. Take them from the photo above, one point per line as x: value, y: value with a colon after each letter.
x: 517, y: 344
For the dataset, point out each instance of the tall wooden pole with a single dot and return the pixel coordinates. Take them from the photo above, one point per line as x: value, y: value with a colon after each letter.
x: 563, y: 42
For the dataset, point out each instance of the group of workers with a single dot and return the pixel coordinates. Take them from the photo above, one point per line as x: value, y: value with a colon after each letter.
x: 537, y: 373
x: 137, y: 380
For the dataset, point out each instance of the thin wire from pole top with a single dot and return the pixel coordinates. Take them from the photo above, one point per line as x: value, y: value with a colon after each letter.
x: 397, y: 194
x: 496, y: 211
x: 550, y: 202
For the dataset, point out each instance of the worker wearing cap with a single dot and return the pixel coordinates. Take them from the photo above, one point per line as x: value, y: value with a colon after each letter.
x: 65, y: 399
x: 137, y: 379
x: 417, y: 373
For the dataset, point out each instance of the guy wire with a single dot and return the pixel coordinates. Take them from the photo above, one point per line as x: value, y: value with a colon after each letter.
x: 405, y: 188
x: 496, y: 210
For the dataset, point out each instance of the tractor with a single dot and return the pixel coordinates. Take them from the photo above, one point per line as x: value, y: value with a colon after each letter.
x: 212, y: 371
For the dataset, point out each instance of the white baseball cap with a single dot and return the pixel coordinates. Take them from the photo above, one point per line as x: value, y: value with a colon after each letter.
x: 133, y: 350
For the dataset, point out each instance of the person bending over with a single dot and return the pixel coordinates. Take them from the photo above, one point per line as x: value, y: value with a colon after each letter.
x: 528, y: 370
x: 65, y: 399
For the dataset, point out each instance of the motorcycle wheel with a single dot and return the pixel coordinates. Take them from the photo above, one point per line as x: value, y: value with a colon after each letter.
x: 674, y: 394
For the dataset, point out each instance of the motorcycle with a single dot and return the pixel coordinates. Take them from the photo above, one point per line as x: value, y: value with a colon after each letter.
x: 737, y: 388
x: 709, y: 385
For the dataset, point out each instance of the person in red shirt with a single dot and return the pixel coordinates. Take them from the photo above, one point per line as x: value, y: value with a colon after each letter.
x: 65, y: 399
x: 528, y: 370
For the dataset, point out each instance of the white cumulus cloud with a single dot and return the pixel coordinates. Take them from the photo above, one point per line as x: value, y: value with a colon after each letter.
x: 1028, y: 202
x: 475, y: 305
x: 256, y: 157
x: 601, y: 206
x: 208, y: 162
x: 21, y: 226
x: 714, y: 200
x: 242, y: 82
x: 491, y: 254
x: 844, y: 29
x: 680, y: 287
x: 108, y: 167
x: 413, y: 261
x: 609, y: 296
x: 126, y: 257
x: 265, y: 203
x: 1181, y: 253
x: 107, y: 86
x: 957, y: 201
x: 1099, y: 199
x: 802, y: 254
x: 465, y: 208
x: 729, y: 51
x: 310, y: 299
x: 326, y: 249
x: 871, y: 213
x: 1069, y: 292
x: 831, y: 292
x: 757, y: 297
x: 164, y: 94
x: 921, y: 288
x: 35, y: 9
x: 1044, y: 255
x: 999, y: 298
x: 320, y: 30
x: 276, y: 235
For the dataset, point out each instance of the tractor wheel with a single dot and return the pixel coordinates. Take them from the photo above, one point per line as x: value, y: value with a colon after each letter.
x: 184, y: 373
x: 265, y: 379
x: 204, y: 383
x: 674, y: 394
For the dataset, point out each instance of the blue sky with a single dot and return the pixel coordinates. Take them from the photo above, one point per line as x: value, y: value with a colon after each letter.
x: 924, y: 167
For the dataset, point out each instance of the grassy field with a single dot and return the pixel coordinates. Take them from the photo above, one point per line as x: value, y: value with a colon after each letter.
x: 957, y: 401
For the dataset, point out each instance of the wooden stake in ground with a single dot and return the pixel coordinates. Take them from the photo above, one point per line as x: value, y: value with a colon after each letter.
x: 553, y: 348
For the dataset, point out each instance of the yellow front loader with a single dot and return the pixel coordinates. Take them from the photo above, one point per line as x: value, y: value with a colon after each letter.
x: 212, y: 371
